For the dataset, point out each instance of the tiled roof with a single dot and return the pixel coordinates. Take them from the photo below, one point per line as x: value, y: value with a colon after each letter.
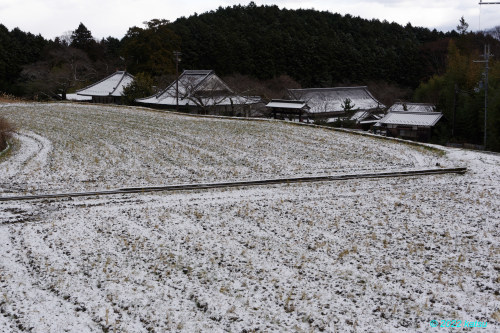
x: 322, y: 100
x: 427, y: 119
x: 412, y: 107
x: 110, y: 86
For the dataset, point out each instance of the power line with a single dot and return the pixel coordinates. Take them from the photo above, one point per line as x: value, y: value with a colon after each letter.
x: 485, y: 3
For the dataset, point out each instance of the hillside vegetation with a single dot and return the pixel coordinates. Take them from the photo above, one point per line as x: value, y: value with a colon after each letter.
x: 314, y: 48
x: 318, y: 49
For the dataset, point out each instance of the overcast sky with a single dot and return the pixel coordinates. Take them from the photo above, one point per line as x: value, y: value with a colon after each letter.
x: 52, y: 18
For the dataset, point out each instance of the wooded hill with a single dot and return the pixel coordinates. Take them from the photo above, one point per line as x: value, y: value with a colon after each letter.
x: 316, y: 49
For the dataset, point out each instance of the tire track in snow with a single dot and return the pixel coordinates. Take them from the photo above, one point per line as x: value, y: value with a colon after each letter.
x: 31, y: 156
x: 33, y: 152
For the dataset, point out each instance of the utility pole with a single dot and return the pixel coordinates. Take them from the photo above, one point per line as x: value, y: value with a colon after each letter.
x: 177, y: 56
x: 486, y: 62
x: 454, y: 110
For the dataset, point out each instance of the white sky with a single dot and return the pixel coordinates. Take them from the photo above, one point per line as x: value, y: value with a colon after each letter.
x: 103, y: 18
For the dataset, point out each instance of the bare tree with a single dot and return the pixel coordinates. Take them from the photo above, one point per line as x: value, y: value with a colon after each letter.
x: 63, y: 68
x: 275, y: 88
x: 65, y: 38
x: 207, y: 94
x: 496, y: 32
x: 388, y: 93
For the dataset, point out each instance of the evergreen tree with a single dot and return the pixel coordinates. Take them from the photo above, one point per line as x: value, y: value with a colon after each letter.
x: 315, y: 48
x: 347, y: 106
x: 142, y: 86
x: 150, y: 50
x: 17, y: 49
x: 81, y: 38
x: 462, y: 26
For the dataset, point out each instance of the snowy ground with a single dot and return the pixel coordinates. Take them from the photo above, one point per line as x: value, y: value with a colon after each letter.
x: 89, y: 147
x: 354, y: 256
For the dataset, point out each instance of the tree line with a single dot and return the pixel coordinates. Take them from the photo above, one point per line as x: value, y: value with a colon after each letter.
x: 263, y: 50
x: 315, y: 49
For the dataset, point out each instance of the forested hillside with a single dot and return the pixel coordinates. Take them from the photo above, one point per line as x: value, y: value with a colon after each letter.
x: 17, y: 49
x: 315, y: 48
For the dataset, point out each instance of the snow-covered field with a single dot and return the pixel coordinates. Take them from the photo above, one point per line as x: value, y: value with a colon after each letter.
x: 384, y: 255
x: 88, y: 147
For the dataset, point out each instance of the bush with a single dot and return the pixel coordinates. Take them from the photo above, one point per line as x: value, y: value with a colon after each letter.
x: 6, y: 130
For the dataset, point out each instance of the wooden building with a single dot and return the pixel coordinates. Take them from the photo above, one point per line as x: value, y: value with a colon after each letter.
x: 289, y: 109
x: 366, y: 119
x: 413, y: 121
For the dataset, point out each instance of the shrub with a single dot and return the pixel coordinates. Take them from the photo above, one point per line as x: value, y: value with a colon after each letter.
x: 6, y: 130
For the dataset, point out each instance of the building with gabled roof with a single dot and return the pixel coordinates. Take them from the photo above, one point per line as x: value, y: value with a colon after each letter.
x: 405, y: 118
x: 186, y: 90
x: 366, y: 119
x: 288, y: 108
x: 200, y: 90
x: 330, y: 102
x: 361, y: 116
x: 409, y: 121
x: 109, y: 89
